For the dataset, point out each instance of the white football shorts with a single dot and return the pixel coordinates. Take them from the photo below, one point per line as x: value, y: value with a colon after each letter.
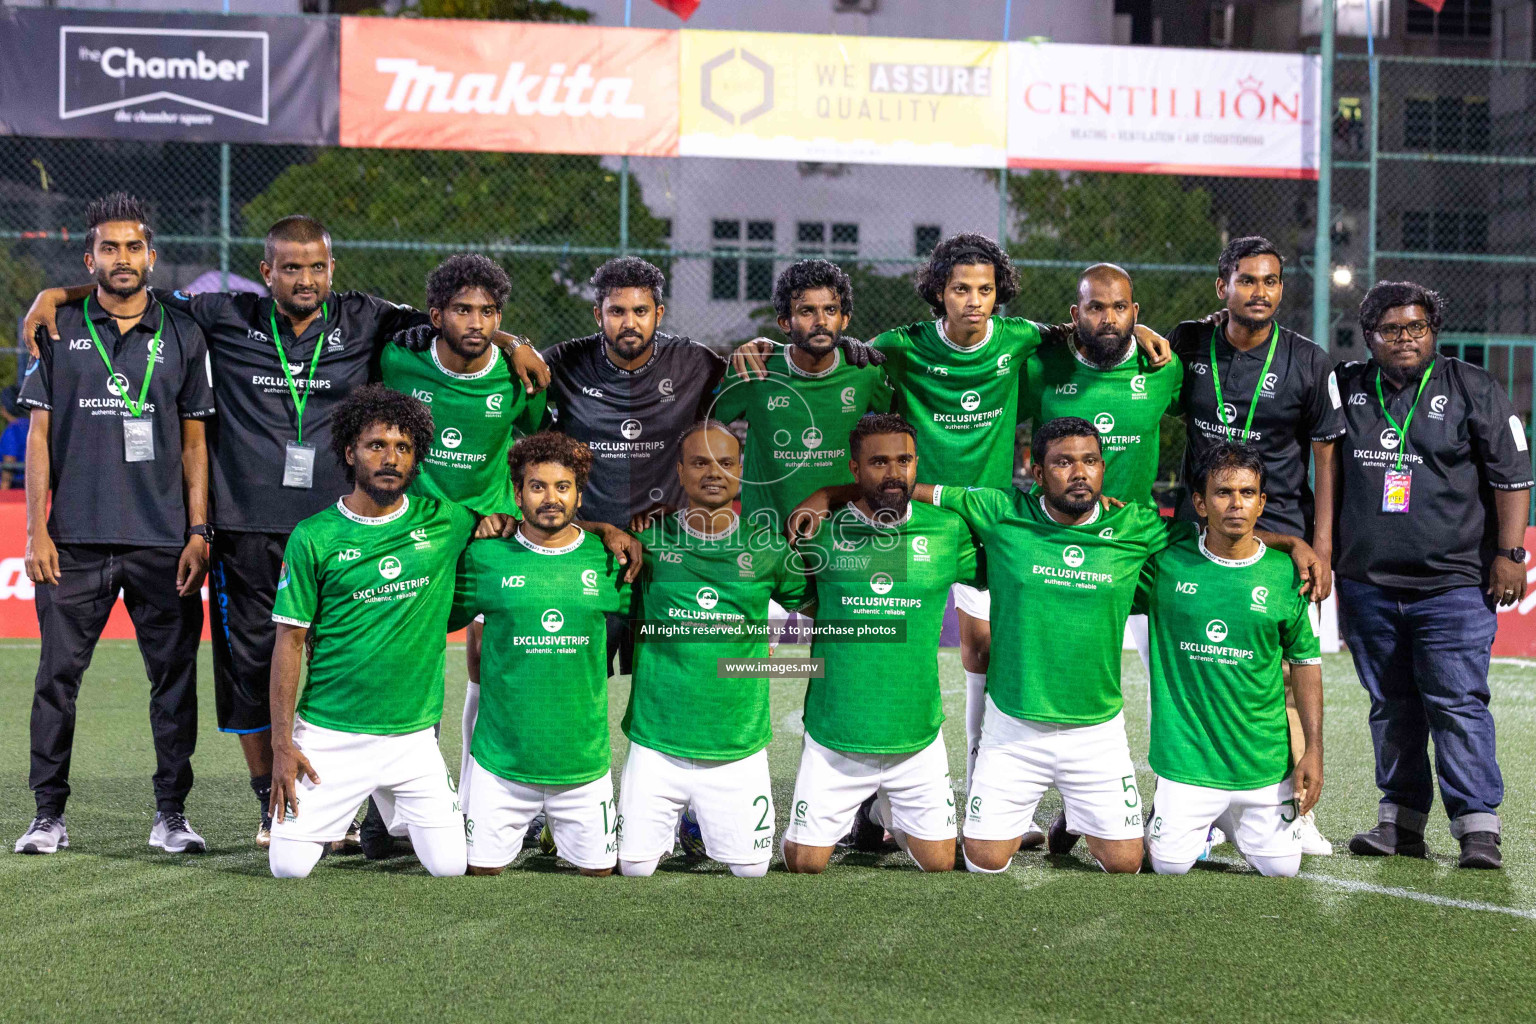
x: 582, y: 818
x: 975, y: 603
x: 832, y: 784
x: 733, y: 801
x: 1261, y: 822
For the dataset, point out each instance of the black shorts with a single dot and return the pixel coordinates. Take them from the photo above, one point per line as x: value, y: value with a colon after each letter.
x: 242, y: 586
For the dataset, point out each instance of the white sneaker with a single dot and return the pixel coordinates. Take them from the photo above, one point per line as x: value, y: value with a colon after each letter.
x: 172, y: 834
x: 1213, y: 838
x: 1034, y: 837
x: 1312, y: 841
x: 46, y: 834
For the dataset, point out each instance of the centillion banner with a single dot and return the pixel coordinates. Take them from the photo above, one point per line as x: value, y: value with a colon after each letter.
x: 853, y: 99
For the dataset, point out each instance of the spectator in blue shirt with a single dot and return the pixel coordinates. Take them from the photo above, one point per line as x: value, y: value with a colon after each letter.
x: 13, y: 442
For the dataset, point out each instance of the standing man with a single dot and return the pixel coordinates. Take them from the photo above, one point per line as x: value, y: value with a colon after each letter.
x: 540, y: 742
x: 117, y: 442
x: 1224, y: 611
x: 1247, y: 379
x: 699, y: 738
x: 282, y: 367
x: 1436, y: 479
x: 874, y: 747
x: 372, y: 573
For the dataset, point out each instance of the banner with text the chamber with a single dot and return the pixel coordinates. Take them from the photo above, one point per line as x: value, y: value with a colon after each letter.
x: 1163, y: 111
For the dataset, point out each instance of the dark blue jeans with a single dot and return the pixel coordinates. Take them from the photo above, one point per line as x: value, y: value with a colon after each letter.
x: 1423, y: 658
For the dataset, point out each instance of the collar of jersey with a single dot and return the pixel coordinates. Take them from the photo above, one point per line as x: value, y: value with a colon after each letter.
x: 100, y: 315
x: 837, y: 360
x: 939, y: 326
x: 405, y: 503
x: 487, y: 368
x: 874, y: 524
x: 540, y: 549
x: 602, y: 340
x: 1098, y: 510
x: 1230, y: 562
x: 1130, y: 354
x: 696, y: 534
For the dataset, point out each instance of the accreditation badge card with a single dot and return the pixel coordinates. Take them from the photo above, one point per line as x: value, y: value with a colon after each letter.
x: 299, y: 465
x: 1396, y: 490
x: 138, y: 439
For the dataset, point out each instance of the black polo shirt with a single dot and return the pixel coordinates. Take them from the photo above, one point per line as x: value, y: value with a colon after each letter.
x: 98, y: 497
x: 248, y: 441
x: 1297, y: 404
x: 631, y: 419
x: 1465, y: 442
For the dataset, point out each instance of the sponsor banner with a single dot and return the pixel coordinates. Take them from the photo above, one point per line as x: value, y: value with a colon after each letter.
x: 1163, y: 111
x: 850, y: 99
x: 512, y: 87
x: 192, y: 78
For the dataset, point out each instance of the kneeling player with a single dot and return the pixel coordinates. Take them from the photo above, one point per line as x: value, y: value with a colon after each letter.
x: 371, y: 575
x: 872, y: 723
x: 697, y: 739
x: 1224, y: 610
x: 540, y: 740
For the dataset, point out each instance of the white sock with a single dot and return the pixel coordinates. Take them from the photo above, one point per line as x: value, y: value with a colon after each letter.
x: 440, y: 849
x: 975, y: 707
x: 757, y: 870
x: 293, y: 858
x: 1170, y: 867
x: 970, y: 865
x: 638, y: 868
x: 1275, y: 867
x: 467, y: 730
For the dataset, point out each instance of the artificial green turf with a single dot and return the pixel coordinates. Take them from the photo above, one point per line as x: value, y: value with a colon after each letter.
x: 111, y: 929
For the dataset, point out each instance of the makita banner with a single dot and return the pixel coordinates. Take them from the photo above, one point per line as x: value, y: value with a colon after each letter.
x: 191, y: 78
x: 513, y: 87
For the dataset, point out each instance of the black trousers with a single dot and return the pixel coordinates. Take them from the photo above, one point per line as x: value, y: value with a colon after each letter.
x: 242, y: 585
x: 71, y: 617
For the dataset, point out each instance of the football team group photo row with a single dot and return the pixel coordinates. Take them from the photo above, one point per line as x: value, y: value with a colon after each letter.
x: 355, y: 481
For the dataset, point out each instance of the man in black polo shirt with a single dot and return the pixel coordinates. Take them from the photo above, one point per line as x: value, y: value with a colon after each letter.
x: 117, y: 436
x: 282, y: 366
x: 1435, y: 490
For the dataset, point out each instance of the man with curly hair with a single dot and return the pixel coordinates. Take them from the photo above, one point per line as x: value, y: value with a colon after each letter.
x: 540, y: 742
x: 373, y: 572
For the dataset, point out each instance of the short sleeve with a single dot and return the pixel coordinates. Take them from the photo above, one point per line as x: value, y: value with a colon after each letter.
x: 623, y: 592
x: 730, y: 401
x: 970, y: 560
x: 1158, y: 532
x: 712, y: 368
x: 37, y: 385
x: 1299, y: 640
x: 1030, y: 376
x: 790, y: 587
x: 298, y: 583
x: 1323, y: 412
x: 195, y: 399
x: 1499, y: 441
x: 1146, y: 587
x: 1174, y: 366
x: 1189, y: 339
x: 534, y: 413
x: 1023, y: 336
x: 980, y: 507
x: 466, y: 602
x: 389, y: 318
x: 882, y: 394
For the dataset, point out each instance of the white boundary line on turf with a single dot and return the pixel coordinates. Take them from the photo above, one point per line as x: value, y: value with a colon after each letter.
x: 1521, y: 662
x: 1398, y: 891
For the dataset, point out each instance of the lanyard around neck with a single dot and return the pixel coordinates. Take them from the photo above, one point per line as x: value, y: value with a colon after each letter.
x: 293, y: 388
x: 1274, y: 336
x: 1402, y: 431
x: 135, y: 409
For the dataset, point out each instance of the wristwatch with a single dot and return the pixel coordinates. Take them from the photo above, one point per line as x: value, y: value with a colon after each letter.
x: 202, y: 530
x: 1516, y: 555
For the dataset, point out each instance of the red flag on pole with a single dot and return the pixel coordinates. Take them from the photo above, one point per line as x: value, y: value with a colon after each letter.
x: 685, y: 8
x: 1433, y: 5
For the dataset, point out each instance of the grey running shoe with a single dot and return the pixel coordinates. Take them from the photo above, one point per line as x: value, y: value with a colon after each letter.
x: 1033, y: 837
x: 173, y: 834
x: 534, y: 836
x: 45, y: 835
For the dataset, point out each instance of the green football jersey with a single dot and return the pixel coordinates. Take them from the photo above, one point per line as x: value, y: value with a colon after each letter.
x: 1060, y: 598
x: 375, y: 596
x: 544, y: 656
x: 1125, y: 404
x: 1219, y: 629
x: 692, y: 583
x: 879, y: 694
x: 797, y: 428
x: 963, y: 403
x: 477, y: 416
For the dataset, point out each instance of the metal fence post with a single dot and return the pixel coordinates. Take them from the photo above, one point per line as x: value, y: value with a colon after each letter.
x: 1375, y: 85
x: 1322, y: 249
x: 224, y: 216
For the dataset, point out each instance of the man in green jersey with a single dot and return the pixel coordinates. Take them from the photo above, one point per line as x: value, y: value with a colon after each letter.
x: 1224, y: 611
x: 808, y: 400
x: 882, y: 568
x: 697, y: 737
x: 540, y: 741
x: 372, y: 573
x: 1053, y: 703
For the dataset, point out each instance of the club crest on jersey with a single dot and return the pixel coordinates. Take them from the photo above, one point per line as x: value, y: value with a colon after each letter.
x: 849, y: 396
x: 1107, y: 533
x: 1073, y: 556
x: 389, y: 567
x: 630, y: 429
x: 1389, y: 439
x: 744, y: 565
x: 492, y: 406
x: 1139, y: 386
x: 1271, y: 380
x: 552, y: 620
x: 349, y: 555
x: 589, y: 581
x: 1216, y: 631
x: 1002, y: 364
x: 811, y: 438
x: 920, y: 549
x: 333, y: 341
x: 881, y: 583
x: 707, y: 597
x: 665, y: 389
x: 1260, y: 599
x: 1104, y: 423
x: 970, y: 401
x: 452, y: 438
x: 419, y: 535
x: 1437, y: 407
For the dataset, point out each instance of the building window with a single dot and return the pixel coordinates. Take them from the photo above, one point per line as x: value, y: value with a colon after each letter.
x: 835, y: 240
x: 1445, y: 231
x: 1457, y: 19
x: 924, y: 238
x: 1449, y: 124
x: 732, y: 277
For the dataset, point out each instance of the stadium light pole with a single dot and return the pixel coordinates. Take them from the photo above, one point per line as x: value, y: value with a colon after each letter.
x: 1002, y: 174
x: 623, y: 177
x: 224, y: 207
x: 1322, y: 249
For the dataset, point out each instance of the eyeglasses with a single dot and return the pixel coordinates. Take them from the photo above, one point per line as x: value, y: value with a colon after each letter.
x: 1415, y: 329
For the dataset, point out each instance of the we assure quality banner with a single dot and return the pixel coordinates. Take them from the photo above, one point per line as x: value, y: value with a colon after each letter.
x: 191, y: 78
